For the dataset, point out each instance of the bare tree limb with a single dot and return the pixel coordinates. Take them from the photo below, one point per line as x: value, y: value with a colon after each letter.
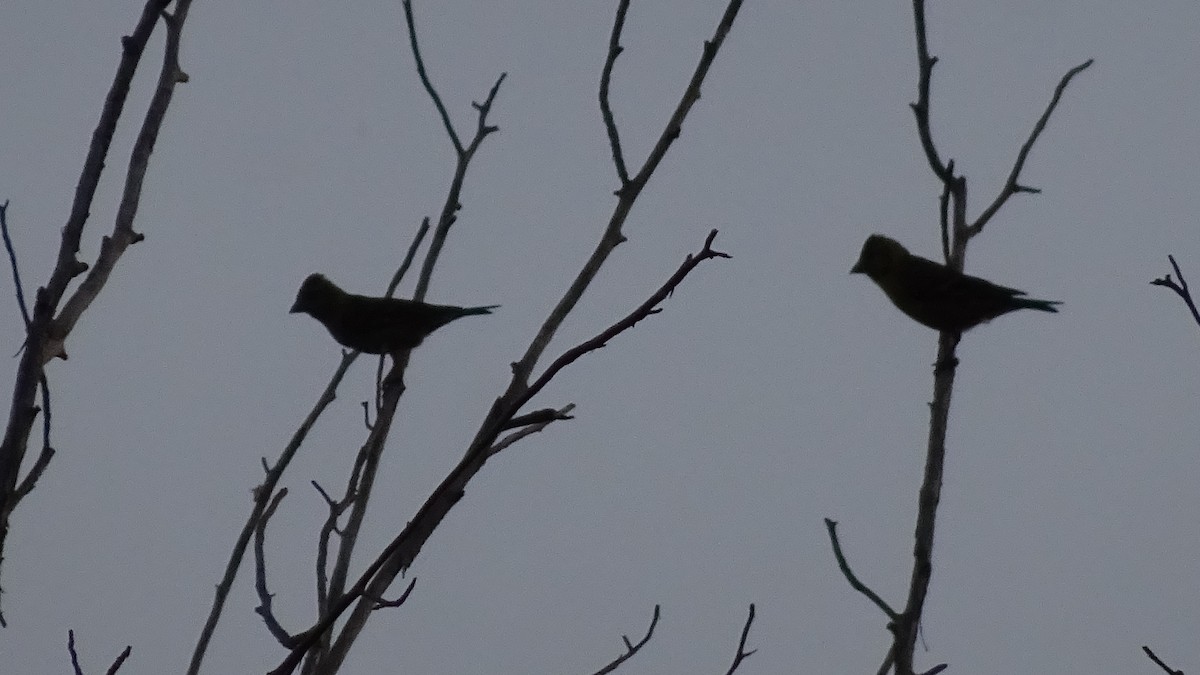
x: 1180, y: 288
x: 12, y: 260
x: 531, y: 428
x: 437, y: 100
x: 380, y: 603
x: 262, y: 495
x: 612, y: 237
x: 631, y: 648
x: 540, y: 416
x: 742, y: 654
x: 1154, y: 657
x: 112, y: 670
x: 74, y: 654
x: 955, y: 232
x: 46, y: 333
x: 399, y: 554
x: 1011, y: 185
x: 831, y: 526
x: 610, y: 123
x: 265, y: 597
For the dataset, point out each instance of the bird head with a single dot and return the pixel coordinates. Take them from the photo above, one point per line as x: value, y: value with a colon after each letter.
x: 315, y: 289
x: 879, y: 255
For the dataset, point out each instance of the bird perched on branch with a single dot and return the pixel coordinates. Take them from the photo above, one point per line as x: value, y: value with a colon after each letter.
x: 935, y: 295
x: 374, y: 325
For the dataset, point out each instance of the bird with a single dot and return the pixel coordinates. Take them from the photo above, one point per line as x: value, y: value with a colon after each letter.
x: 935, y: 295
x: 374, y: 325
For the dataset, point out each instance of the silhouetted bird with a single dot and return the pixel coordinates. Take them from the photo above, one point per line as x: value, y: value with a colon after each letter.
x: 935, y: 295
x: 374, y: 325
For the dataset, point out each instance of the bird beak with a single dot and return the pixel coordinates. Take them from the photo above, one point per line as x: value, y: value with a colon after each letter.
x: 858, y: 268
x: 295, y: 308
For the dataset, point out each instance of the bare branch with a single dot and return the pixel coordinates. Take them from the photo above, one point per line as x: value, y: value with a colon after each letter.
x: 944, y: 213
x: 831, y: 526
x: 647, y: 308
x: 532, y: 428
x: 612, y: 237
x: 46, y: 334
x: 1181, y: 288
x: 631, y: 648
x: 1012, y: 186
x: 265, y: 598
x: 399, y: 554
x: 610, y: 123
x: 1154, y: 657
x: 380, y: 603
x: 71, y: 650
x: 120, y: 660
x: 16, y: 272
x: 539, y: 416
x: 742, y: 654
x: 920, y: 109
x: 437, y: 100
x: 262, y: 494
x: 112, y: 670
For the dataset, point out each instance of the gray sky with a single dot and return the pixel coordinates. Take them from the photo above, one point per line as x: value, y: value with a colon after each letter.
x: 773, y: 391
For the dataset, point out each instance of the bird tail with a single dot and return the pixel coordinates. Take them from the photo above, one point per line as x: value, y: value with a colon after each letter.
x: 486, y: 309
x: 1041, y: 305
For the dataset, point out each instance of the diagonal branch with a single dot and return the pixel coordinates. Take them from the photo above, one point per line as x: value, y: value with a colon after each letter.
x: 46, y: 334
x: 831, y: 526
x: 398, y: 555
x: 1180, y: 288
x: 626, y: 196
x: 1011, y: 185
x: 410, y: 23
x: 631, y: 648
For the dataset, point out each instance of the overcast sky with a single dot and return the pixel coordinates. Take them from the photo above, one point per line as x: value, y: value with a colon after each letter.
x: 773, y: 391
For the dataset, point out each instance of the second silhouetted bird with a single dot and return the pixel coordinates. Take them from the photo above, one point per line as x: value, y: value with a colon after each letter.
x: 374, y: 325
x: 935, y: 295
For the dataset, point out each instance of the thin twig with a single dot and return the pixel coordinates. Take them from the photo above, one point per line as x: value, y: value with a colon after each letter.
x: 380, y: 603
x: 410, y: 23
x: 16, y: 272
x: 262, y: 495
x: 71, y: 650
x: 925, y: 64
x: 831, y: 526
x: 539, y: 416
x: 1180, y: 288
x: 120, y: 660
x: 531, y: 428
x: 265, y: 597
x: 610, y: 123
x: 612, y: 236
x: 1011, y: 185
x: 742, y: 654
x: 630, y: 647
x: 1161, y: 664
